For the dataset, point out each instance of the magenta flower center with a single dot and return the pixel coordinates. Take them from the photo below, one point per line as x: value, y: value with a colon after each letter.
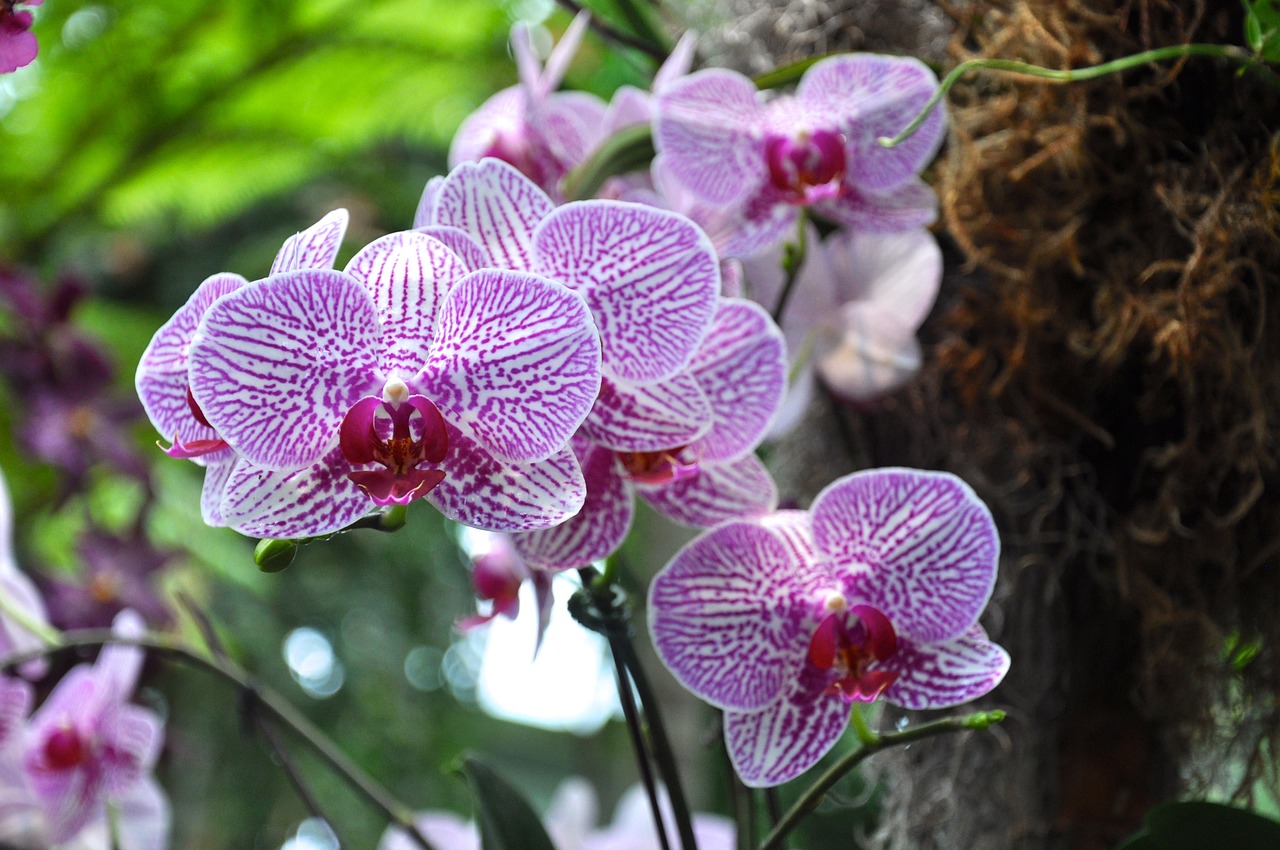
x: 65, y: 748
x: 400, y: 434
x: 848, y: 643
x: 807, y: 167
x: 662, y: 467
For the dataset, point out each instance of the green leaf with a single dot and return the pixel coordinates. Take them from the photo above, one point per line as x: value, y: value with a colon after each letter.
x: 1262, y: 28
x: 507, y: 821
x: 627, y: 150
x: 1197, y: 825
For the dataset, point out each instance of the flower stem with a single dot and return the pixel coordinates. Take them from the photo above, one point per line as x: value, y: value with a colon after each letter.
x: 1232, y: 54
x: 812, y: 796
x: 254, y: 696
x: 858, y: 718
x: 792, y: 259
x: 627, y: 698
x: 647, y: 45
x: 10, y: 608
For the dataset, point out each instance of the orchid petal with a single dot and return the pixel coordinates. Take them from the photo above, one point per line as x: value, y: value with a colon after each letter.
x: 717, y: 492
x: 472, y: 254
x: 599, y: 527
x: 274, y: 366
x: 561, y: 55
x: 765, y: 220
x: 730, y: 616
x: 651, y: 277
x: 947, y: 673
x: 498, y: 206
x: 118, y: 665
x: 571, y: 125
x: 779, y: 743
x: 706, y: 127
x: 742, y: 368
x: 501, y: 115
x: 899, y: 272
x: 15, y: 701
x: 143, y: 816
x: 215, y: 486
x: 161, y: 378
x: 516, y: 358
x: 425, y: 214
x: 408, y: 275
x: 629, y: 107
x: 485, y: 492
x: 677, y: 63
x: 314, y: 248
x: 910, y: 205
x: 444, y: 830
x: 648, y: 417
x: 307, y: 502
x: 876, y: 353
x: 871, y: 96
x: 920, y: 546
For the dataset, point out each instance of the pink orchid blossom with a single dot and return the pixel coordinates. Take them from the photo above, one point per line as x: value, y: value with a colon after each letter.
x: 18, y: 46
x: 784, y: 621
x: 22, y: 609
x: 162, y: 382
x: 542, y: 132
x: 497, y: 575
x: 852, y: 317
x: 84, y: 749
x: 731, y: 147
x: 403, y: 376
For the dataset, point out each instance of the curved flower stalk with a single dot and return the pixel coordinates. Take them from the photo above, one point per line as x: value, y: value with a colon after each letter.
x: 571, y: 824
x: 740, y: 369
x: 785, y: 621
x: 23, y: 617
x: 542, y: 132
x: 18, y: 46
x: 858, y: 301
x: 731, y: 147
x: 86, y: 748
x: 403, y: 376
x: 161, y: 378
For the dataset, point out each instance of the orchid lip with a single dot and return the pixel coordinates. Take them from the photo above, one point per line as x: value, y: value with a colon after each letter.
x: 363, y: 439
x: 809, y: 167
x: 661, y: 467
x: 849, y: 644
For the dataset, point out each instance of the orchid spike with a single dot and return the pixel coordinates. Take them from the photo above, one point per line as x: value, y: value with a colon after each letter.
x: 875, y: 592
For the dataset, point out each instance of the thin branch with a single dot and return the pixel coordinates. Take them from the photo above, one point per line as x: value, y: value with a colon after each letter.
x: 612, y: 33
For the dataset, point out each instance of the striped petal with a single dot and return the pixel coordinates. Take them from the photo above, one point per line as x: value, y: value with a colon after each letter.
x: 275, y: 365
x: 314, y: 248
x: 705, y: 126
x: 742, y: 368
x: 940, y: 675
x: 483, y: 491
x: 473, y: 256
x: 790, y: 736
x: 648, y: 417
x: 732, y: 613
x: 516, y: 358
x: 307, y: 502
x: 920, y: 546
x: 424, y: 215
x: 216, y: 474
x: 408, y: 275
x: 161, y: 378
x: 738, y: 489
x: 598, y: 529
x: 651, y: 277
x: 498, y: 206
x: 911, y: 205
x: 15, y: 701
x: 868, y: 96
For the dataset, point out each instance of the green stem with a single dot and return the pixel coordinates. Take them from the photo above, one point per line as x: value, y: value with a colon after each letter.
x: 859, y: 720
x: 10, y: 608
x: 1232, y: 54
x: 813, y: 795
x: 792, y: 260
x: 645, y: 43
x: 279, y: 709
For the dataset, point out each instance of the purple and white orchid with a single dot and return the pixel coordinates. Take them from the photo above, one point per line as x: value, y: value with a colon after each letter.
x: 23, y: 615
x: 731, y: 147
x: 162, y: 381
x: 785, y: 621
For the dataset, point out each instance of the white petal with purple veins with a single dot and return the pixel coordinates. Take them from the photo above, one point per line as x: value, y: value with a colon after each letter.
x: 216, y: 474
x: 408, y: 275
x: 940, y: 675
x: 920, y: 546
x: 598, y: 529
x: 651, y: 277
x: 161, y: 378
x: 867, y: 97
x: 316, y: 499
x: 706, y: 127
x: 484, y: 492
x: 648, y: 417
x: 314, y: 248
x: 424, y: 215
x: 473, y: 256
x: 781, y: 742
x: 907, y: 206
x: 732, y: 614
x: 277, y: 364
x: 742, y: 368
x: 571, y: 125
x: 516, y: 357
x: 737, y: 489
x: 498, y: 206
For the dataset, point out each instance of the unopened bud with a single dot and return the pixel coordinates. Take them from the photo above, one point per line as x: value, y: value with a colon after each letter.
x: 272, y: 556
x: 983, y: 719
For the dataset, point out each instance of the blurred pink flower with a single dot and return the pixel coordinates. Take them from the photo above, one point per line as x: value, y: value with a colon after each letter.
x: 18, y: 45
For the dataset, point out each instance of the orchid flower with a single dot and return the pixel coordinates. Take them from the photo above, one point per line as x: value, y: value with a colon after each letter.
x: 18, y: 46
x: 86, y: 748
x: 402, y: 376
x: 542, y: 132
x: 162, y: 381
x: 859, y: 299
x: 785, y: 621
x: 497, y: 575
x: 23, y: 616
x: 741, y: 370
x: 731, y: 147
